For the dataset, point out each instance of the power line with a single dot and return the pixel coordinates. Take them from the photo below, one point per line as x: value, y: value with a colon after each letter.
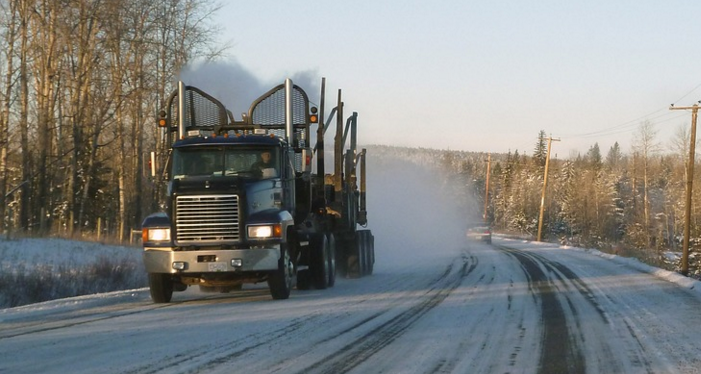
x: 687, y: 94
x: 631, y: 124
x: 623, y: 127
x: 620, y: 130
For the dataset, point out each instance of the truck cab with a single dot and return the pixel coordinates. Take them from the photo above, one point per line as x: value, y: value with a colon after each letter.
x: 227, y: 217
x: 242, y: 205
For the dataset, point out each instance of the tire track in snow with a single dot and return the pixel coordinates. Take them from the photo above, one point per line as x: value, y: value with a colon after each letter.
x: 212, y: 358
x: 560, y: 352
x: 101, y: 313
x: 567, y: 299
x: 18, y: 329
x: 606, y: 358
x: 489, y: 341
x: 216, y: 353
x: 369, y: 344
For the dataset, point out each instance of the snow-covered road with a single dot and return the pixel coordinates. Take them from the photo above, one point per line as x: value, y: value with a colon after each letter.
x: 515, y: 307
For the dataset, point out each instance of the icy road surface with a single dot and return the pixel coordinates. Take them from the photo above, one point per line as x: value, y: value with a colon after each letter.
x: 513, y: 307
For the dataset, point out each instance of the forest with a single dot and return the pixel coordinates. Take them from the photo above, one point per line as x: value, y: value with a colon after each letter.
x: 81, y: 82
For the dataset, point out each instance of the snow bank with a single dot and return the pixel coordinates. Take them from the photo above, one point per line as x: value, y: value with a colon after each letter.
x: 33, y: 253
x: 37, y: 270
x: 633, y: 263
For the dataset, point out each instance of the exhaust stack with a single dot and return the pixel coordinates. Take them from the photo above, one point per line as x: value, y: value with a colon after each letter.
x: 289, y: 119
x: 181, y: 110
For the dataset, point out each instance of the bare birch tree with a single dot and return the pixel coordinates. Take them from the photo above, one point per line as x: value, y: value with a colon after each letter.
x: 646, y: 146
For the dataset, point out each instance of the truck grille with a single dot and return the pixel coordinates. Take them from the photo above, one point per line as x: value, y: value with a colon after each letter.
x: 207, y: 219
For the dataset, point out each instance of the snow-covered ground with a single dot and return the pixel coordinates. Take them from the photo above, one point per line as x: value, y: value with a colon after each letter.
x: 34, y: 270
x: 515, y: 307
x: 32, y: 253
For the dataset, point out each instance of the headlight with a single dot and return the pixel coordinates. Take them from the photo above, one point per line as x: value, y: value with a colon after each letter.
x: 265, y: 231
x: 156, y: 235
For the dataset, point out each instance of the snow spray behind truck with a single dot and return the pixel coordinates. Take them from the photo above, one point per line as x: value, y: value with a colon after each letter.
x: 242, y: 202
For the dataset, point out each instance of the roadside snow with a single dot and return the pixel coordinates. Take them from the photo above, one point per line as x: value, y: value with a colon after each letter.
x: 32, y: 253
x: 633, y: 263
x: 37, y: 270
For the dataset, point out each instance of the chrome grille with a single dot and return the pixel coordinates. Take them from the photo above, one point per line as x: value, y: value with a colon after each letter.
x: 207, y: 219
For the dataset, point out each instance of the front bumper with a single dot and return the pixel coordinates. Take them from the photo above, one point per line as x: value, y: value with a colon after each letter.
x: 161, y: 260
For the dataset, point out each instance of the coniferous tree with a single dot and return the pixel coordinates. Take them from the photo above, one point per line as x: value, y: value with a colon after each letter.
x: 614, y: 157
x: 541, y: 149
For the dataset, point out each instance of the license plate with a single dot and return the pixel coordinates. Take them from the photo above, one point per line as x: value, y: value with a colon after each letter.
x: 216, y: 266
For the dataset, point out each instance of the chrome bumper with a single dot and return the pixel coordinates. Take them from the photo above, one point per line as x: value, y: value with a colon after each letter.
x: 161, y: 260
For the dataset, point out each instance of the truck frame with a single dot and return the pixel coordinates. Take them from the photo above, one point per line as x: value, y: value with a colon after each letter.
x: 230, y: 218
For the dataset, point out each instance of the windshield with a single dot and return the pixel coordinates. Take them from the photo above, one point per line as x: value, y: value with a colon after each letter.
x: 258, y: 163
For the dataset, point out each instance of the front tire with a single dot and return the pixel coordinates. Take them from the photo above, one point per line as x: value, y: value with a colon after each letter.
x: 280, y: 281
x: 161, y: 287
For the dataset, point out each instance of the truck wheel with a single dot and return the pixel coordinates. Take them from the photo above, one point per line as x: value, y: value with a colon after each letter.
x: 363, y: 245
x: 161, y: 287
x: 364, y: 239
x: 332, y: 259
x: 280, y: 281
x: 320, y: 261
x: 370, y: 247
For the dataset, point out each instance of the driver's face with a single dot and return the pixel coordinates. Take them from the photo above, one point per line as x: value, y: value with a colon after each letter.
x: 265, y: 156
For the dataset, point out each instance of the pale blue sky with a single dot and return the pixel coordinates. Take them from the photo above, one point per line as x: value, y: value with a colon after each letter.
x: 482, y: 76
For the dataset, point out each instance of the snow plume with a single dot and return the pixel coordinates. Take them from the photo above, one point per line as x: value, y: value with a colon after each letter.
x: 237, y: 88
x: 410, y: 212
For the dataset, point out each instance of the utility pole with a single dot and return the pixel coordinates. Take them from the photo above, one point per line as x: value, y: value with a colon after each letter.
x: 545, y: 183
x: 689, y: 185
x: 486, y: 188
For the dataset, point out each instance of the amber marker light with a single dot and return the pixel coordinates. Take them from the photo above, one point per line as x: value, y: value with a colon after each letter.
x: 162, y: 119
x: 277, y: 231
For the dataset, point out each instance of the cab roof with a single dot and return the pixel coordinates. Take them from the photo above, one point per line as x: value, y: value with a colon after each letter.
x: 265, y: 140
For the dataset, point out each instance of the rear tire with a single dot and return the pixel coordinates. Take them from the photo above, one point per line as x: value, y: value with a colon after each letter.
x: 280, y: 281
x: 368, y: 256
x: 161, y: 287
x: 371, y: 252
x: 332, y: 259
x: 320, y: 261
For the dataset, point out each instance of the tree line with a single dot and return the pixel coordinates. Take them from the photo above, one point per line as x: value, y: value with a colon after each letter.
x: 623, y: 202
x: 80, y: 84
